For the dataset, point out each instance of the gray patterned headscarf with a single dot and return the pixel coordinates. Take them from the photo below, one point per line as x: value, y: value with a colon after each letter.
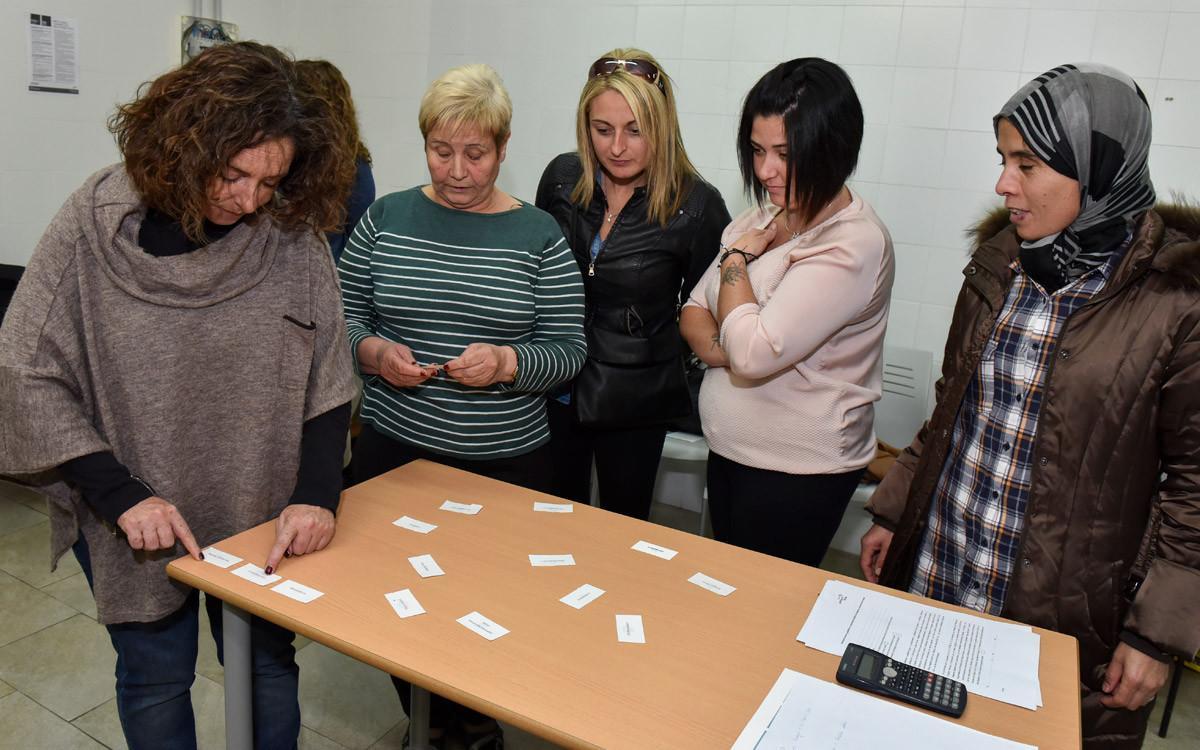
x: 1091, y: 123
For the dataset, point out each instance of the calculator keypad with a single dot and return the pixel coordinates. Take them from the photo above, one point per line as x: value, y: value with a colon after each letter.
x: 918, y: 683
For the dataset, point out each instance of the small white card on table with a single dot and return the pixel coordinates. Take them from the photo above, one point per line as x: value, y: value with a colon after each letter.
x: 413, y: 524
x: 426, y: 566
x: 654, y: 549
x: 467, y: 509
x: 297, y: 591
x: 712, y: 584
x: 553, y: 507
x: 547, y: 561
x: 582, y: 596
x: 214, y: 556
x: 255, y: 574
x: 405, y: 604
x: 483, y: 626
x: 629, y: 629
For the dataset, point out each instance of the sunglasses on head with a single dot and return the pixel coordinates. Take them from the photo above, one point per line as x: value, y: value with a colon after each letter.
x: 640, y: 68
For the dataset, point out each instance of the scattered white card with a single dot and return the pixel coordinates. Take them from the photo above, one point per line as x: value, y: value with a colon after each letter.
x: 548, y: 561
x: 629, y: 629
x: 712, y: 584
x: 467, y: 509
x: 654, y: 549
x: 582, y: 596
x: 413, y: 524
x: 255, y: 574
x: 405, y: 604
x: 483, y: 626
x: 214, y: 556
x: 553, y: 507
x: 426, y: 566
x: 297, y: 591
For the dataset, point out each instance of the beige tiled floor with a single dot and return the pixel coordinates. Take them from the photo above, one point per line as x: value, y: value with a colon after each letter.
x: 56, y: 663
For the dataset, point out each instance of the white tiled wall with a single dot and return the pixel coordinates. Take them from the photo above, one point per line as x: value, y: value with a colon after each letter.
x: 930, y: 73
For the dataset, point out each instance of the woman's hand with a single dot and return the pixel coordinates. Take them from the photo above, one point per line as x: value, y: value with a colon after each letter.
x: 483, y: 364
x: 300, y: 529
x: 395, y: 364
x: 155, y: 524
x: 875, y: 545
x: 754, y: 242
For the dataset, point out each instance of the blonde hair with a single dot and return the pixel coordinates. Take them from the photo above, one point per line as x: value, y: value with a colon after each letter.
x: 669, y: 172
x: 470, y: 95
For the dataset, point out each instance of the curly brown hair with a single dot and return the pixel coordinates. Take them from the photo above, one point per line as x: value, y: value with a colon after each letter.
x: 323, y: 79
x: 183, y: 128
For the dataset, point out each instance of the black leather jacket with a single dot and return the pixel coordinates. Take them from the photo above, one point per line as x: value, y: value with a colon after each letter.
x: 635, y: 285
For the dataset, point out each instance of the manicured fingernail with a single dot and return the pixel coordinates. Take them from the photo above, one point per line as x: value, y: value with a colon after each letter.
x: 287, y: 553
x: 269, y: 571
x: 201, y: 555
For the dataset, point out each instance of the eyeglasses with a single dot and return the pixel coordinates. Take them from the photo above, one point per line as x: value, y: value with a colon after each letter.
x: 643, y: 69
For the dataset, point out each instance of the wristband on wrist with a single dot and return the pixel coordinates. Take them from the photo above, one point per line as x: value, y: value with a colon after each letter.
x: 516, y: 365
x: 746, y: 257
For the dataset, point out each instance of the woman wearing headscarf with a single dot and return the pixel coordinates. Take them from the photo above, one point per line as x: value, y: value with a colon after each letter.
x: 643, y: 226
x: 1057, y: 482
x: 174, y: 369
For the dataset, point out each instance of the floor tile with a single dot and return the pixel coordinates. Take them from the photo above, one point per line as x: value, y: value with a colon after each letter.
x: 74, y: 593
x: 25, y: 554
x: 1184, y: 731
x: 394, y: 739
x: 24, y: 496
x: 26, y: 610
x: 68, y: 667
x: 310, y: 740
x: 15, y: 516
x: 208, y: 703
x: 845, y: 563
x: 5, y: 688
x: 103, y: 724
x: 345, y: 700
x: 519, y: 739
x: 25, y: 724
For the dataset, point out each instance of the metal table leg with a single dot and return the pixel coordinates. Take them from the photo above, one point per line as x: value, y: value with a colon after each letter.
x: 418, y: 722
x: 239, y: 718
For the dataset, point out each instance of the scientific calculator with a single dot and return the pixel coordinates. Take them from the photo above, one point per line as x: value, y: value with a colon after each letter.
x: 870, y: 670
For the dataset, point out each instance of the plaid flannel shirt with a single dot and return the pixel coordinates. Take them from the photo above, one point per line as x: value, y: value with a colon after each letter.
x: 978, y: 509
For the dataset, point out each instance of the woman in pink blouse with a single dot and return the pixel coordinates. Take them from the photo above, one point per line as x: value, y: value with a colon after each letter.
x: 790, y: 320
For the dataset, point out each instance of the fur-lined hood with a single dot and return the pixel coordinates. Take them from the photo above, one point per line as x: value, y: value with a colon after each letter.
x: 1178, y: 254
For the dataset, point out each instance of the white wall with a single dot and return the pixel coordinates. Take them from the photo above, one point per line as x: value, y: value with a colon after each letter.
x: 930, y: 73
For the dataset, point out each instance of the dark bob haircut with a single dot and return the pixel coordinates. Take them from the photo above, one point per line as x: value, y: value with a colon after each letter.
x: 823, y: 121
x: 181, y: 131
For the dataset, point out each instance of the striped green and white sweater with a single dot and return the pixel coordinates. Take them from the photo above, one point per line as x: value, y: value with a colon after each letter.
x: 437, y: 279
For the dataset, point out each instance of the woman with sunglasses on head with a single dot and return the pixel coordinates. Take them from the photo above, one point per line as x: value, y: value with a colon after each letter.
x: 790, y: 320
x: 643, y: 226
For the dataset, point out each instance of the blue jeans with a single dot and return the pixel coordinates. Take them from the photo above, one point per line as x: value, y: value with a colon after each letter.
x: 156, y: 665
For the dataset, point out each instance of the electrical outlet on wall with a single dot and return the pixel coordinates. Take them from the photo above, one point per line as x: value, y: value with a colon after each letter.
x: 201, y: 33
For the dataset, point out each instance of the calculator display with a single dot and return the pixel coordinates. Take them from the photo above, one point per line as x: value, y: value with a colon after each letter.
x: 866, y: 667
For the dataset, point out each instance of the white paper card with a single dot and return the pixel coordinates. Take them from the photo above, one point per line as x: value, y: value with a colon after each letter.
x: 214, y: 556
x: 548, y: 561
x: 994, y: 659
x: 405, y: 604
x: 413, y: 524
x: 801, y: 711
x: 483, y: 626
x: 255, y: 574
x: 467, y: 509
x: 629, y: 629
x: 553, y: 507
x: 712, y: 584
x: 426, y: 566
x: 654, y: 549
x: 582, y: 596
x: 297, y: 591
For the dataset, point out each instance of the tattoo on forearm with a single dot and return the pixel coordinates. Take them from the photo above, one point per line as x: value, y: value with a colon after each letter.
x: 733, y: 273
x: 716, y: 342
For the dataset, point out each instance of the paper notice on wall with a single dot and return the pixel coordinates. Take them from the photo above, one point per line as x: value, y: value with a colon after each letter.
x: 53, y: 44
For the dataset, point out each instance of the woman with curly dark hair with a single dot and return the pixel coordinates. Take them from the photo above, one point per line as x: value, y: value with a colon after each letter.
x: 322, y: 78
x: 174, y: 368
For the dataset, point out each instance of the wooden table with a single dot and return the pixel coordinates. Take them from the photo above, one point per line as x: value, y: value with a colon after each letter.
x: 560, y: 673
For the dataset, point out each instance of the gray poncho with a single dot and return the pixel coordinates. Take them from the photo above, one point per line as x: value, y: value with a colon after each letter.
x: 186, y: 367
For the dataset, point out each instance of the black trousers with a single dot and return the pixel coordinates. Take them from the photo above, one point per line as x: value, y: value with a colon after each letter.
x: 375, y: 454
x: 626, y: 462
x: 793, y: 516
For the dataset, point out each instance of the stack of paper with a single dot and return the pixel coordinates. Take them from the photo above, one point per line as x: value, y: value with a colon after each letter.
x: 994, y: 659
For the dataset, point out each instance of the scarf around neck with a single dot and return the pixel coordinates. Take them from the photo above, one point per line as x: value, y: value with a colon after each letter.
x: 1091, y: 123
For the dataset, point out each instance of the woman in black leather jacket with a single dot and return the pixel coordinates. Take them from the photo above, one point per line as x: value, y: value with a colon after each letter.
x: 643, y: 226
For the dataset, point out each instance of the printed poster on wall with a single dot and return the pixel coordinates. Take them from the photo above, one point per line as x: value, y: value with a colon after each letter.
x: 53, y: 54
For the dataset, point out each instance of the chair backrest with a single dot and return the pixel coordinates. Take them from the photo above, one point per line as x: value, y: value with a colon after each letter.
x: 905, y: 403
